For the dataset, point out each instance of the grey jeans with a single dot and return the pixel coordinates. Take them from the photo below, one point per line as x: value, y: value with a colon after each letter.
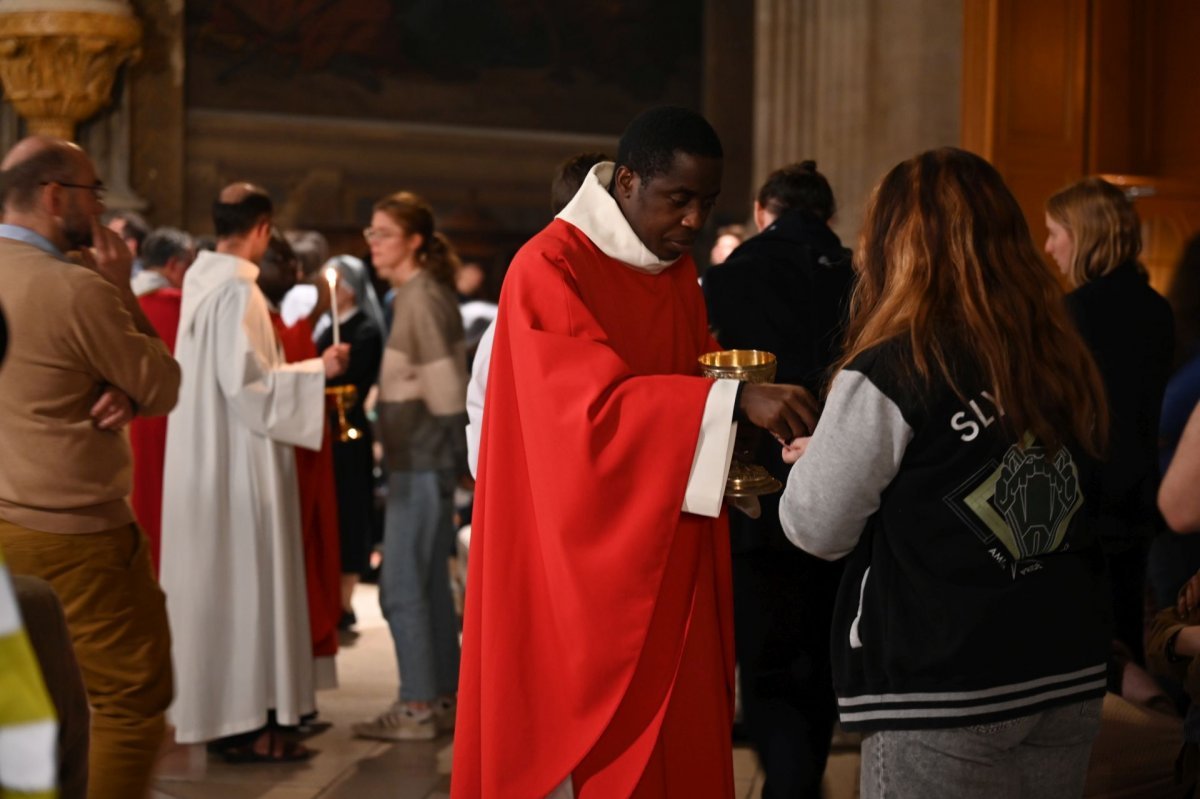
x: 414, y: 583
x: 1042, y: 756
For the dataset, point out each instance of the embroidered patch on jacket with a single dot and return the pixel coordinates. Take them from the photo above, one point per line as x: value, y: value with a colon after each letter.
x: 1021, y: 507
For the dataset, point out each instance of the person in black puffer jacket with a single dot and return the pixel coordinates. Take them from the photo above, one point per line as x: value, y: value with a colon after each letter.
x: 785, y: 291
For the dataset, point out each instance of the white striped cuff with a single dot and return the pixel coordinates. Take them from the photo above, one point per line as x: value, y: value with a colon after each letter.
x: 29, y: 756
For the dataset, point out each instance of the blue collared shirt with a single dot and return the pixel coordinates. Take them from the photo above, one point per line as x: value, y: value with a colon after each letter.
x: 18, y: 233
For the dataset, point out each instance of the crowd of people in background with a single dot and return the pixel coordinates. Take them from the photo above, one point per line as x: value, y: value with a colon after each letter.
x: 975, y: 565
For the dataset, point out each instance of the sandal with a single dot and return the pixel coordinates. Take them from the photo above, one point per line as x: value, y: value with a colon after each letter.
x: 269, y: 747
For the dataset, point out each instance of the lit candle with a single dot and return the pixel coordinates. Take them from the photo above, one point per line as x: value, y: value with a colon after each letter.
x: 331, y: 278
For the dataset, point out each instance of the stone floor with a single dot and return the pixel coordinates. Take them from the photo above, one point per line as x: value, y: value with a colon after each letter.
x: 348, y: 768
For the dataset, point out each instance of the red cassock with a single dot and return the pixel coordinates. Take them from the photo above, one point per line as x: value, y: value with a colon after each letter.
x: 148, y: 434
x: 318, y: 511
x: 598, y: 638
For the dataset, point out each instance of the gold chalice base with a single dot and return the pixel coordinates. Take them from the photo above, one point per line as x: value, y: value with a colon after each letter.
x: 750, y: 480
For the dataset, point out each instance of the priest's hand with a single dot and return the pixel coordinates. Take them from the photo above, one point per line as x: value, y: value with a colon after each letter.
x: 109, y: 255
x: 336, y: 359
x: 113, y: 410
x: 787, y: 412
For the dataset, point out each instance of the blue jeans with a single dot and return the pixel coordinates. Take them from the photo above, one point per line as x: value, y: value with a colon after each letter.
x: 1041, y: 756
x: 414, y: 584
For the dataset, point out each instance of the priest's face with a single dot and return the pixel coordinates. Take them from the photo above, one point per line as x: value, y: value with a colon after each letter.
x: 668, y: 211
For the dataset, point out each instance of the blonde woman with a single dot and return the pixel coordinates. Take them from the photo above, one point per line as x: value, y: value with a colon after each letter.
x: 1095, y: 238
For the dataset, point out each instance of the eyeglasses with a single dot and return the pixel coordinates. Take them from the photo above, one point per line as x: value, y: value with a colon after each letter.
x: 373, y: 233
x: 97, y: 189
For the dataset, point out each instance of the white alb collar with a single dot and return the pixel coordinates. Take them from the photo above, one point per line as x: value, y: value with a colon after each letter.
x: 148, y: 281
x: 596, y: 214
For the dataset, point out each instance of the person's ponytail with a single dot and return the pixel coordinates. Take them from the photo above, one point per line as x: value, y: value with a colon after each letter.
x: 440, y: 260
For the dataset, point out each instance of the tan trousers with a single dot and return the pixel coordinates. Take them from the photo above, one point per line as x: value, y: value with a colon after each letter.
x: 1135, y: 753
x: 117, y: 618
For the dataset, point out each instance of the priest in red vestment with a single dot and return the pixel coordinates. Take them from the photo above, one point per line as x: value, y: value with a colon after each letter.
x: 278, y: 273
x: 166, y: 254
x: 598, y: 641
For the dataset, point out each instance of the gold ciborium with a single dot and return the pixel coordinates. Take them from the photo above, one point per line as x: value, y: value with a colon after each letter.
x: 746, y: 478
x: 344, y: 398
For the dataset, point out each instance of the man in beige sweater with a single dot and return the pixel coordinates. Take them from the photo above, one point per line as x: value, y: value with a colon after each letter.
x: 82, y: 358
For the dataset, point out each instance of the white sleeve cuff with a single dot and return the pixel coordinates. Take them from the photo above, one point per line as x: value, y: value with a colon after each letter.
x: 476, y: 391
x: 302, y: 421
x: 714, y: 450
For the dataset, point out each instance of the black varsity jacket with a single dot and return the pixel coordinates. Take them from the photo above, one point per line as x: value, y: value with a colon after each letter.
x: 973, y: 590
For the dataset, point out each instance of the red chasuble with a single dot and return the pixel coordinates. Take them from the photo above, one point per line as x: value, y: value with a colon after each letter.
x: 318, y: 511
x: 148, y: 434
x: 598, y: 639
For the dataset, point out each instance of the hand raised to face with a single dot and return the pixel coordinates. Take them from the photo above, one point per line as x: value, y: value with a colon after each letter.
x: 108, y: 255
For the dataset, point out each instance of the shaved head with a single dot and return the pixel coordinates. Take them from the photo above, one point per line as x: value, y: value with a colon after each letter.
x: 36, y: 145
x: 236, y: 193
x: 242, y: 220
x: 240, y: 208
x: 36, y: 161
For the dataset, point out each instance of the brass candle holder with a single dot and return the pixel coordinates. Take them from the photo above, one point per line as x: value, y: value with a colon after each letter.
x: 344, y: 398
x: 746, y: 478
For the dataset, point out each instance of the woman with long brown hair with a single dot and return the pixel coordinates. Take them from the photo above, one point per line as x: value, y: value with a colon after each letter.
x: 950, y: 464
x: 422, y: 424
x: 1095, y: 238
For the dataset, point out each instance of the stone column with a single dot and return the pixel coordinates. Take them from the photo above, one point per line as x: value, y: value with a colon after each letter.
x: 858, y: 85
x: 154, y: 92
x: 106, y: 137
x: 729, y: 102
x: 58, y: 58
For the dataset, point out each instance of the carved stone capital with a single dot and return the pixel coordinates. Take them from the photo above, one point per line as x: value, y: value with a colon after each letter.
x: 58, y: 67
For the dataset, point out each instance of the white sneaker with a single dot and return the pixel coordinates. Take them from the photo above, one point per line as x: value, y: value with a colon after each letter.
x: 444, y: 710
x: 399, y: 723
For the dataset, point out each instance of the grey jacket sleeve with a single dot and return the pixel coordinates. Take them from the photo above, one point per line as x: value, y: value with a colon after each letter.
x: 854, y: 454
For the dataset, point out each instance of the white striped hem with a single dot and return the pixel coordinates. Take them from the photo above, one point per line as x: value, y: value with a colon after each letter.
x: 28, y: 756
x: 966, y: 696
x: 971, y: 710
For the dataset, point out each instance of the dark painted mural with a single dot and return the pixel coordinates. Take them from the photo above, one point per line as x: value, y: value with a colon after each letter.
x: 572, y: 66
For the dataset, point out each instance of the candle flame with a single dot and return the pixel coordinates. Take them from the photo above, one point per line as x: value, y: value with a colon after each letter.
x: 331, y: 276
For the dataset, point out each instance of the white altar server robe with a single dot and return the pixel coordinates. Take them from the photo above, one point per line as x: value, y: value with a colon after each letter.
x: 232, y: 549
